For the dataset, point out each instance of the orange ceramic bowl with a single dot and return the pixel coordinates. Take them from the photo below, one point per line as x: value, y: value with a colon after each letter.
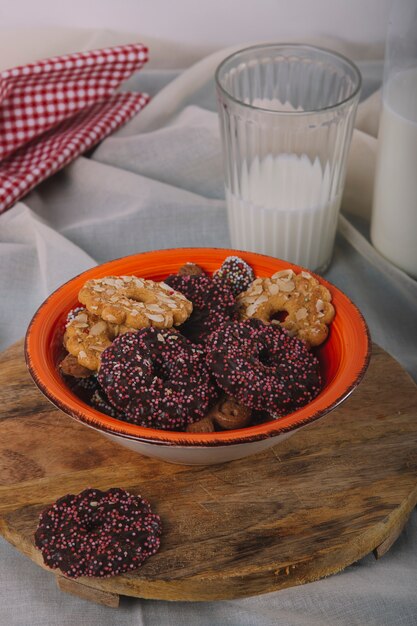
x: 343, y: 357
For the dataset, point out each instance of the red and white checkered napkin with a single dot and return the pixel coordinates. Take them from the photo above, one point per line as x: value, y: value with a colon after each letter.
x: 53, y: 110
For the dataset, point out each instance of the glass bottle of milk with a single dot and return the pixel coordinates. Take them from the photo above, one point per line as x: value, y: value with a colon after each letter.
x: 394, y: 213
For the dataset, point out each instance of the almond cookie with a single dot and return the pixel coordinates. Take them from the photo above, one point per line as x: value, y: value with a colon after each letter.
x: 135, y: 302
x: 87, y: 335
x: 305, y: 303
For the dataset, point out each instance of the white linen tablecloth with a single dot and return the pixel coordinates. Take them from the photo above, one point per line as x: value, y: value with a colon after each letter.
x: 158, y: 183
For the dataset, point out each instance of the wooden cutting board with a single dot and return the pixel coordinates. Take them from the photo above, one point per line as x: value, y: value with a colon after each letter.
x: 309, y: 507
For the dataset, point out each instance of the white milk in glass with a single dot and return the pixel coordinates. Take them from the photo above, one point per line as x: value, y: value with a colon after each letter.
x: 394, y: 217
x: 284, y: 210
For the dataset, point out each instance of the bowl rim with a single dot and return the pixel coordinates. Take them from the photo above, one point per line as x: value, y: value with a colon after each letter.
x: 71, y: 405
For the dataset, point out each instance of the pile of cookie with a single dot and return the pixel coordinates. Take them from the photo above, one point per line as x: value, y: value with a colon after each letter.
x: 196, y: 352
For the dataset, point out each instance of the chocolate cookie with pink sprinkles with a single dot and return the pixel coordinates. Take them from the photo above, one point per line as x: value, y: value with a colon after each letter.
x: 213, y: 303
x: 236, y: 273
x: 157, y: 378
x: 98, y: 533
x: 263, y: 367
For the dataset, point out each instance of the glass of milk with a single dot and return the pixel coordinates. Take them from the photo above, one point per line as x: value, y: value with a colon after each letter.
x: 286, y: 118
x: 394, y: 211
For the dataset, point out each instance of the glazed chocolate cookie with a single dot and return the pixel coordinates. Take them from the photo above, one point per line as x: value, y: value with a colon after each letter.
x: 213, y: 304
x: 98, y: 533
x: 263, y: 367
x: 236, y: 273
x: 157, y: 378
x: 90, y: 392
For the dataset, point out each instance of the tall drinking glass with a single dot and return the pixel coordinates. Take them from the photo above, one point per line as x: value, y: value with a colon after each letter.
x: 286, y: 117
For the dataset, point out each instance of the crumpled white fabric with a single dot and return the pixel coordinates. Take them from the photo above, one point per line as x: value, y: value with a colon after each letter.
x: 158, y: 183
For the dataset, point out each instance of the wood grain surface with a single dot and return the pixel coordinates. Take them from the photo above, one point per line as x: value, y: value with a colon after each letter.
x: 309, y: 507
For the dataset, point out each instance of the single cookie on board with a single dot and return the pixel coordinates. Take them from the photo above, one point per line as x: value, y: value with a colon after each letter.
x: 305, y: 303
x: 87, y: 335
x: 98, y: 533
x: 135, y: 302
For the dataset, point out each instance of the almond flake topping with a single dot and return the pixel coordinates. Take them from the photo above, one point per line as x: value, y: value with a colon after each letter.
x: 261, y: 299
x: 285, y: 285
x: 301, y: 314
x: 249, y: 299
x: 257, y: 281
x: 251, y: 310
x: 273, y: 289
x: 257, y: 289
x: 98, y: 328
x: 155, y: 318
x: 283, y: 274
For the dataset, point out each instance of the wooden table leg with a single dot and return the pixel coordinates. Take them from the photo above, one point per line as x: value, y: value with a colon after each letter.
x: 389, y: 540
x: 87, y: 593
